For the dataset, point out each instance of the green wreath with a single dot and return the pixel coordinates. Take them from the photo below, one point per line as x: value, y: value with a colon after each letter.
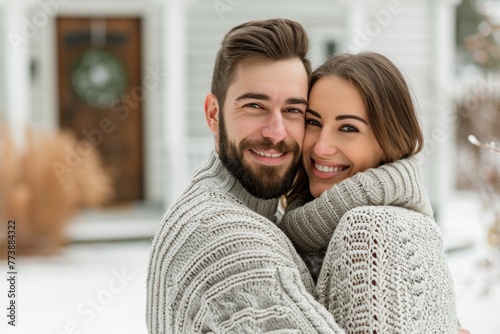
x: 98, y: 78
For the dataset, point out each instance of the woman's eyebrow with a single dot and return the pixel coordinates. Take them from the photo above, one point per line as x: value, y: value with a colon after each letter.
x: 341, y: 117
x: 315, y: 113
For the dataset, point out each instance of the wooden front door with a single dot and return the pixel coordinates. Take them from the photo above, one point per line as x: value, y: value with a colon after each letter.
x: 100, y: 93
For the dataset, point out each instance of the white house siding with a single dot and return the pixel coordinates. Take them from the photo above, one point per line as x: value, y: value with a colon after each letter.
x: 408, y: 41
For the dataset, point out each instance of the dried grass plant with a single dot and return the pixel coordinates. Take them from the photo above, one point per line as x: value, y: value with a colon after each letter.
x: 478, y: 112
x: 478, y: 166
x: 37, y: 198
x: 491, y: 197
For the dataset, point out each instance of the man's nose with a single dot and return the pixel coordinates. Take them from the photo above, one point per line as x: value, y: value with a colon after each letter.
x: 274, y: 128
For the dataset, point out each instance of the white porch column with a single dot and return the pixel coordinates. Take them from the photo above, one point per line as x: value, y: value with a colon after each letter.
x: 441, y: 116
x: 18, y: 33
x: 174, y: 114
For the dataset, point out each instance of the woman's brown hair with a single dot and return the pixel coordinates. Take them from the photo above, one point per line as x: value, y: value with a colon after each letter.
x: 387, y: 100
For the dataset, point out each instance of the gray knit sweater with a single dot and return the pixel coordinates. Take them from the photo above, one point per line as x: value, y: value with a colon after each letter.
x: 385, y: 267
x: 219, y: 264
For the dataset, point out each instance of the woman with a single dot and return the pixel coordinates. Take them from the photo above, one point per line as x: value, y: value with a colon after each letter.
x: 384, y: 268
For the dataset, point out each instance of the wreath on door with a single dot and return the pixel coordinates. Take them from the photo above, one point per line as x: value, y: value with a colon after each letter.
x: 98, y: 78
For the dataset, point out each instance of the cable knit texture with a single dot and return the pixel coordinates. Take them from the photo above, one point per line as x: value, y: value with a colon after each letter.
x: 398, y: 183
x: 219, y: 264
x: 385, y: 268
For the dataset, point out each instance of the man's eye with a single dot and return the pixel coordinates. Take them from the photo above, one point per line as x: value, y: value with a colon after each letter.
x: 313, y: 122
x: 294, y: 111
x: 253, y: 105
x: 348, y: 128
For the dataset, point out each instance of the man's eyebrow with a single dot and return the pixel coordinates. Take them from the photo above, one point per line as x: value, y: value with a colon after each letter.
x: 255, y: 96
x: 264, y: 97
x: 341, y: 117
x: 297, y: 100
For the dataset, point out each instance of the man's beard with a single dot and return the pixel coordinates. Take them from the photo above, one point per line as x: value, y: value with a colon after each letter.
x: 262, y: 181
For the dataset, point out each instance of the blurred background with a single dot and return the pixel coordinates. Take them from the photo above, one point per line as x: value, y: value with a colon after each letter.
x: 101, y: 126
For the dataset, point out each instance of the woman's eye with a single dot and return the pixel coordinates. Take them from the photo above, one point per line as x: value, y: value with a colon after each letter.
x: 348, y: 128
x: 313, y: 122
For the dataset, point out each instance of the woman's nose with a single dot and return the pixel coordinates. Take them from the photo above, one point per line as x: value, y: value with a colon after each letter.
x: 325, y: 145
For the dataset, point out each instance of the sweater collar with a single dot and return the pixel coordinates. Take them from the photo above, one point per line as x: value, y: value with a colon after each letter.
x: 214, y: 169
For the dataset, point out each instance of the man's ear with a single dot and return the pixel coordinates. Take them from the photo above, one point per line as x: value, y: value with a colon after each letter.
x: 212, y: 113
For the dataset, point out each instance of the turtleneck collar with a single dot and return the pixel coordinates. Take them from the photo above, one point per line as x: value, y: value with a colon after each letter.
x: 215, y: 170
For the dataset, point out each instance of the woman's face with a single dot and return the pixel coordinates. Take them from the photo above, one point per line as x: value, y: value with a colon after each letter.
x: 339, y: 141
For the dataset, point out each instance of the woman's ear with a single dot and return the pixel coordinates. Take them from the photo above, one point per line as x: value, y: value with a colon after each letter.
x: 212, y: 113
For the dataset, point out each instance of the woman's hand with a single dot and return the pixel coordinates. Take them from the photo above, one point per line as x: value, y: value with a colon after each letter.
x: 463, y: 331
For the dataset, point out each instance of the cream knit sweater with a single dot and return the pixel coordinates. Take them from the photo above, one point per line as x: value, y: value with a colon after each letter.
x: 385, y: 267
x: 219, y: 264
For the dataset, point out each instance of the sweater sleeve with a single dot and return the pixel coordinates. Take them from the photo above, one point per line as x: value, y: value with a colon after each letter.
x: 233, y: 274
x: 385, y: 271
x: 310, y: 227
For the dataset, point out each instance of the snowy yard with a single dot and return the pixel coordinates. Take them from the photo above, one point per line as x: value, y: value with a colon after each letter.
x: 100, y: 287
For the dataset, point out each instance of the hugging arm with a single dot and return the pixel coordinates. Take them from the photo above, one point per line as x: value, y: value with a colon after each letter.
x: 310, y: 227
x: 235, y: 276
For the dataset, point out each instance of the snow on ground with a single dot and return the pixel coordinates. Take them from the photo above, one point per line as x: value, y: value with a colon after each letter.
x: 97, y: 288
x: 476, y: 269
x: 89, y: 289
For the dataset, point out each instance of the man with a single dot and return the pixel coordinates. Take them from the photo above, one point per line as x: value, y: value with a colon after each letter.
x: 219, y: 264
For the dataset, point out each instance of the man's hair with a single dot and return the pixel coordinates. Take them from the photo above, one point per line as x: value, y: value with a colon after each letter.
x: 273, y: 39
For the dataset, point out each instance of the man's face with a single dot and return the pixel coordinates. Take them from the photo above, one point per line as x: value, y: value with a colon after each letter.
x: 262, y: 127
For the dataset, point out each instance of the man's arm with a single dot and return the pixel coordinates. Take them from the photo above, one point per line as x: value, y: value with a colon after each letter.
x: 238, y: 276
x: 385, y: 271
